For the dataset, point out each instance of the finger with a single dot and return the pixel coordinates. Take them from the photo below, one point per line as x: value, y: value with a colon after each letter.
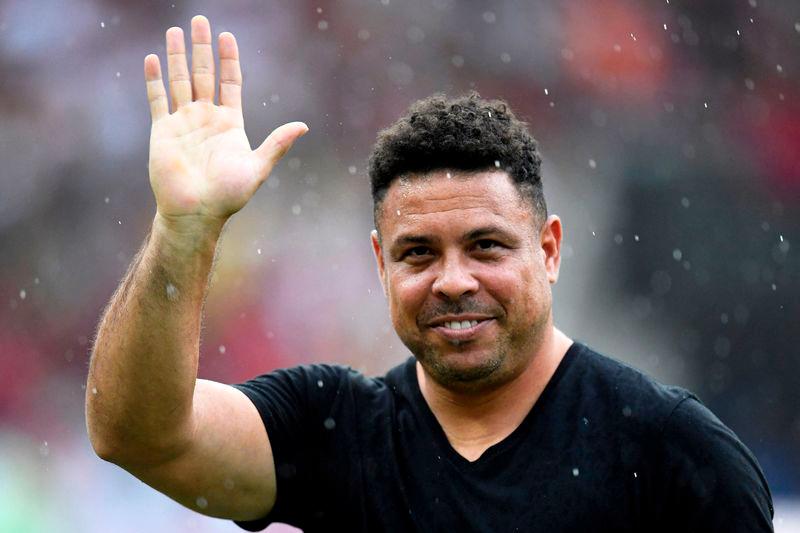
x: 230, y: 72
x: 277, y: 144
x: 180, y: 86
x: 156, y: 94
x: 202, y: 60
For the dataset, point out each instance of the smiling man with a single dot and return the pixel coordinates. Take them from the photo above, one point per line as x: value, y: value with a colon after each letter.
x: 499, y: 422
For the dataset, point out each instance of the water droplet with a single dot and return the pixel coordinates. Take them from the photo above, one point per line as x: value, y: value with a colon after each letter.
x: 779, y: 68
x: 774, y: 287
x: 505, y: 57
x: 106, y: 199
x: 705, y: 104
x: 258, y: 251
x: 363, y: 34
x: 576, y: 472
x: 172, y: 292
x: 618, y: 238
x: 496, y: 163
x: 44, y: 449
x: 636, y: 238
x: 296, y: 209
x: 398, y: 212
x: 22, y: 294
x: 617, y: 48
x: 685, y: 202
x: 635, y: 475
x: 626, y: 411
x: 329, y: 423
x: 750, y: 84
x: 94, y: 390
x: 545, y: 91
x: 221, y: 348
x: 322, y: 25
x: 118, y: 74
x: 352, y: 169
x: 319, y: 10
x: 489, y: 17
x: 592, y: 163
x: 201, y: 502
x: 319, y: 383
x: 797, y: 27
x: 665, y: 27
x: 119, y: 222
x: 458, y: 61
x: 36, y: 280
x: 677, y: 254
x: 102, y: 24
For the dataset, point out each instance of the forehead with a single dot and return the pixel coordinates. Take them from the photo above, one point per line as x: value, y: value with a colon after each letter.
x: 442, y: 200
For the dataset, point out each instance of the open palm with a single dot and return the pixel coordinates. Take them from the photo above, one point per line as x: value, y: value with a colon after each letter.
x: 201, y: 164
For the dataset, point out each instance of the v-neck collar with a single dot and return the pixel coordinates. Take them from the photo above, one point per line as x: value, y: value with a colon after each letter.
x: 509, y: 441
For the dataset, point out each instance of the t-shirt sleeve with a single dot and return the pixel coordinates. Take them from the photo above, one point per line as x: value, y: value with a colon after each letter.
x: 295, y: 405
x: 713, y: 481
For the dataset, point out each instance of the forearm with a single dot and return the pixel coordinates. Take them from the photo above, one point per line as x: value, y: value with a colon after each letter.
x: 144, y: 362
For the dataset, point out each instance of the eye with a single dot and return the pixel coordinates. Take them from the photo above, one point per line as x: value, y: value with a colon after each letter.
x: 417, y: 252
x: 486, y: 245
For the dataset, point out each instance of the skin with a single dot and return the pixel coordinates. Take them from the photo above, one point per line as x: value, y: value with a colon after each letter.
x: 199, y: 442
x: 457, y: 246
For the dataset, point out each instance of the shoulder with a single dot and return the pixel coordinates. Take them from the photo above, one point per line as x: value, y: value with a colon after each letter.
x: 622, y: 390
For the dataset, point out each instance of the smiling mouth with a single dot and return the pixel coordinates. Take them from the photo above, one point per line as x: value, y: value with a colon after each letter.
x: 461, y: 330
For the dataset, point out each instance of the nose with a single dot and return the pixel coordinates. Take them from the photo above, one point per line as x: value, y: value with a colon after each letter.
x: 454, y: 280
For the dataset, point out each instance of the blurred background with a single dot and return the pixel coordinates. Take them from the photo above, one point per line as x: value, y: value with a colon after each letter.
x: 671, y: 137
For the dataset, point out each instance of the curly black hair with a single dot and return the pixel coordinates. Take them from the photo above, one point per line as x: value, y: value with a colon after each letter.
x: 466, y: 133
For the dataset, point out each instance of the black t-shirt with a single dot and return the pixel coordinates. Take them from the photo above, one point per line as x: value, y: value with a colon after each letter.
x: 605, y: 448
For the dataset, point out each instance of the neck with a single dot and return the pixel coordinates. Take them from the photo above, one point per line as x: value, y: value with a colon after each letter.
x: 475, y: 421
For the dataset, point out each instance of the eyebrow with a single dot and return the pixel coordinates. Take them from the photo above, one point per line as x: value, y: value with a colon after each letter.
x: 472, y: 235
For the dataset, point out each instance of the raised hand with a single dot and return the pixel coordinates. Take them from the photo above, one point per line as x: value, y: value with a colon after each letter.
x: 201, y: 163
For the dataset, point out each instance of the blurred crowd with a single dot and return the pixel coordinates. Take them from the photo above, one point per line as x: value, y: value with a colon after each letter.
x: 671, y: 138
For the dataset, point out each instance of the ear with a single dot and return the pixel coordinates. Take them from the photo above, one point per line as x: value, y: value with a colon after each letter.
x: 376, y: 249
x: 551, y: 246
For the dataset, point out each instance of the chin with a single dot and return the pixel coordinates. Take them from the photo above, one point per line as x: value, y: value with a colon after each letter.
x: 460, y: 369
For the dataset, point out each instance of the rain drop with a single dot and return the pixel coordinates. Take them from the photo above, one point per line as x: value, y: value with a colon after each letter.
x: 319, y: 383
x: 22, y: 294
x: 102, y: 24
x: 329, y: 423
x: 592, y: 163
x: 221, y: 348
x: 677, y: 254
x: 201, y: 502
x: 576, y: 472
x: 296, y: 209
x: 352, y: 169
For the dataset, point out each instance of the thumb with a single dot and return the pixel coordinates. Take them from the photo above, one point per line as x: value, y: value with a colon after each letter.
x: 277, y: 144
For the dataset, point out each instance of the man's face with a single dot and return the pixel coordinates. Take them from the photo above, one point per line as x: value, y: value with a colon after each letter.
x: 467, y: 270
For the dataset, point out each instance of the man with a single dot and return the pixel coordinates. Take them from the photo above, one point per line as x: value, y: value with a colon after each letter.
x: 500, y: 422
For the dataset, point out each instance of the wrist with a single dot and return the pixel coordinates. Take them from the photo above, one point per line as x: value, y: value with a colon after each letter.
x: 188, y: 232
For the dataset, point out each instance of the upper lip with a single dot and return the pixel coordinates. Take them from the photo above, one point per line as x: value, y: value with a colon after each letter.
x: 441, y: 320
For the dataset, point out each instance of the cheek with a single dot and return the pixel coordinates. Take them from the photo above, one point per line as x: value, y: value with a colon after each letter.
x: 407, y: 294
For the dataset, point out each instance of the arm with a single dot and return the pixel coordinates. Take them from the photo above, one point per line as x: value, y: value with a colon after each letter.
x: 201, y: 443
x: 714, y: 483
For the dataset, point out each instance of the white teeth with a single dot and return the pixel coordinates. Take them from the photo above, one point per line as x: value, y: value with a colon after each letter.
x: 464, y: 324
